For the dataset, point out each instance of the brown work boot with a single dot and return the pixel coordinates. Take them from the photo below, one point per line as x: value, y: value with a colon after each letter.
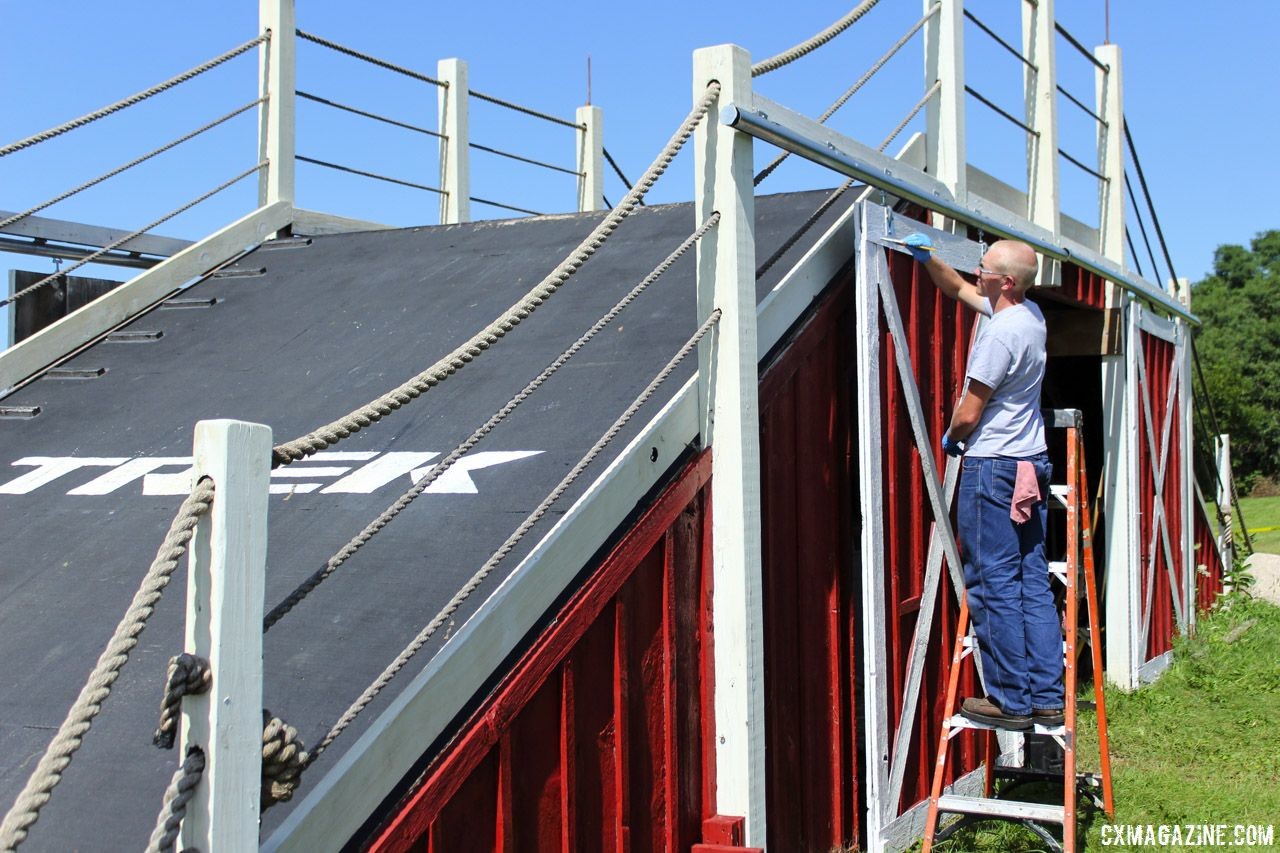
x: 985, y: 711
x: 1048, y: 717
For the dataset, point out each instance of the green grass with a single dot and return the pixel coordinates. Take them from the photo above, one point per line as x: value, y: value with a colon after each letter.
x: 1200, y: 746
x: 1263, y: 513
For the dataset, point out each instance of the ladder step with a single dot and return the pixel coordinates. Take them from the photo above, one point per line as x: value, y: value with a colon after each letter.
x: 1059, y: 493
x: 1016, y: 809
x: 960, y: 721
x: 1059, y: 568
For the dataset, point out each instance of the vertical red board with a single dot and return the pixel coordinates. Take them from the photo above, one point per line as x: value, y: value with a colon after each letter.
x: 1208, y: 560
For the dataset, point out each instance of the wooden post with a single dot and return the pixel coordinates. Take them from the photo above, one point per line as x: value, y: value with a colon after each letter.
x: 277, y: 75
x: 452, y: 102
x: 1110, y: 106
x: 590, y: 159
x: 729, y: 422
x: 1040, y: 93
x: 1226, y: 509
x: 944, y: 114
x: 225, y: 575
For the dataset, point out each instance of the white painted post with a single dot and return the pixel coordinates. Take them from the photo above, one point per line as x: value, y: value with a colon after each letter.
x: 277, y: 75
x: 1040, y: 93
x: 944, y: 114
x: 590, y: 158
x: 1123, y: 570
x: 1186, y: 432
x: 452, y: 101
x: 225, y: 575
x: 1226, y: 509
x: 730, y: 424
x: 1118, y: 419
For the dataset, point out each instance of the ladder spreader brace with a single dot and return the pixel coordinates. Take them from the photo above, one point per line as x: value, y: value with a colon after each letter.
x: 1073, y: 496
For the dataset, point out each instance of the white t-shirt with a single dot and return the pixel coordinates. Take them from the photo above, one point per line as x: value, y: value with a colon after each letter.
x: 1009, y: 357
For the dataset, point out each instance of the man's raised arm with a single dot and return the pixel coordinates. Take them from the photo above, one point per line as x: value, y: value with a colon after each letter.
x: 944, y: 277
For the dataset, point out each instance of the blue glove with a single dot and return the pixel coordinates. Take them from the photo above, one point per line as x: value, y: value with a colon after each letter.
x: 951, y: 447
x: 920, y: 247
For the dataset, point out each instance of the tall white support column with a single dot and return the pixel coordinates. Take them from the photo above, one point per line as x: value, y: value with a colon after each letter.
x: 944, y: 114
x: 1187, y: 446
x: 728, y: 387
x: 1226, y: 509
x: 1119, y: 565
x: 452, y: 103
x: 1040, y: 93
x: 277, y: 76
x: 590, y: 159
x: 225, y: 575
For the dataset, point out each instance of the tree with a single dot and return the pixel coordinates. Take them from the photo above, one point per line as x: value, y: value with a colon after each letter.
x: 1239, y: 344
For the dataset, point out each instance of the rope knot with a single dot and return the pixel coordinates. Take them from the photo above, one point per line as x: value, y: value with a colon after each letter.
x: 283, y: 759
x: 188, y: 675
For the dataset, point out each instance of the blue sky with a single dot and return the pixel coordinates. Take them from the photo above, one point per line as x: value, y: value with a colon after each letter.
x: 1203, y: 123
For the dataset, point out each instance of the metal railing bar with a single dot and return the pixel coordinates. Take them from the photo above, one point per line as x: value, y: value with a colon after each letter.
x: 1000, y: 41
x: 1002, y: 112
x: 526, y: 110
x: 133, y: 99
x: 350, y: 109
x: 1084, y: 51
x: 1083, y: 167
x: 617, y: 170
x: 1082, y: 105
x: 1137, y: 214
x: 93, y: 182
x: 1128, y: 236
x: 373, y: 175
x: 511, y: 156
x: 372, y: 60
x: 505, y: 206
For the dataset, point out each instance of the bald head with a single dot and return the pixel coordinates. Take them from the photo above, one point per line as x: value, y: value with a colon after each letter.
x: 1014, y: 259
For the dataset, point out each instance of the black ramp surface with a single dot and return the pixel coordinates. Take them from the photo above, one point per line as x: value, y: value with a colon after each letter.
x: 88, y: 487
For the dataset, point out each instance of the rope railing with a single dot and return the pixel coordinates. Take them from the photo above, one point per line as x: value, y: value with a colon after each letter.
x: 350, y: 170
x: 858, y: 84
x: 374, y: 527
x: 372, y: 60
x: 132, y: 99
x: 478, y: 147
x: 173, y: 807
x: 529, y: 111
x: 514, y: 539
x: 1133, y: 252
x: 70, y: 735
x: 357, y: 111
x: 18, y: 217
x: 996, y: 108
x: 1084, y: 51
x: 777, y: 61
x: 839, y: 191
x: 115, y: 244
x: 1000, y: 41
x: 332, y: 433
x: 1142, y: 228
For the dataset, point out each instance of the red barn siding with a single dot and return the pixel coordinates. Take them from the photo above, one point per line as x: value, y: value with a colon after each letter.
x: 810, y: 591
x: 597, y: 739
x: 1208, y: 560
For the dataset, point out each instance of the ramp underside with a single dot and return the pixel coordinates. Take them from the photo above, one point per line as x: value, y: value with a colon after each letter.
x: 326, y: 327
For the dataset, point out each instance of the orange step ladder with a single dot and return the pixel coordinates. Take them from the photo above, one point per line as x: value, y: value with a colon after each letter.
x: 1079, y: 555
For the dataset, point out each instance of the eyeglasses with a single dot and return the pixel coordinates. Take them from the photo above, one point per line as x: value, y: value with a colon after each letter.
x: 984, y: 271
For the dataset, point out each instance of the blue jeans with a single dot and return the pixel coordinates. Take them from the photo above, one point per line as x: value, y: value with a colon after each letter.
x: 1006, y: 576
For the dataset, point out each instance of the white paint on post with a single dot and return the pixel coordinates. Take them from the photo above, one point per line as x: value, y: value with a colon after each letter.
x: 1122, y: 570
x: 277, y: 82
x: 731, y: 426
x: 1109, y: 102
x: 1226, y: 542
x: 1040, y: 94
x: 226, y: 570
x: 1186, y: 432
x: 944, y: 115
x: 452, y: 101
x: 590, y: 158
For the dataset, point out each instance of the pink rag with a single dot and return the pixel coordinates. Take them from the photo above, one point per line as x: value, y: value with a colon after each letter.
x: 1026, y: 492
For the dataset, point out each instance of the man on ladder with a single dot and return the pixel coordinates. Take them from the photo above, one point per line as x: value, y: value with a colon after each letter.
x: 1002, y: 508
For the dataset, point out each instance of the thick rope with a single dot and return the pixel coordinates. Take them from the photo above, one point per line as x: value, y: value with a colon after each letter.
x: 506, y: 548
x: 133, y: 99
x: 26, y: 809
x: 839, y: 191
x: 374, y: 411
x: 372, y: 60
x: 374, y: 527
x: 115, y: 244
x: 853, y: 90
x: 773, y: 63
x: 173, y: 807
x: 188, y: 675
x: 18, y: 217
x: 283, y: 760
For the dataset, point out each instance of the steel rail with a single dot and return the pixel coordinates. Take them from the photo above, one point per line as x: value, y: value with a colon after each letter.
x: 1081, y: 104
x: 505, y: 206
x: 1000, y: 110
x: 374, y: 175
x: 350, y: 109
x: 526, y: 110
x: 1000, y: 41
x: 1073, y: 161
x: 477, y: 146
x: 1074, y: 42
